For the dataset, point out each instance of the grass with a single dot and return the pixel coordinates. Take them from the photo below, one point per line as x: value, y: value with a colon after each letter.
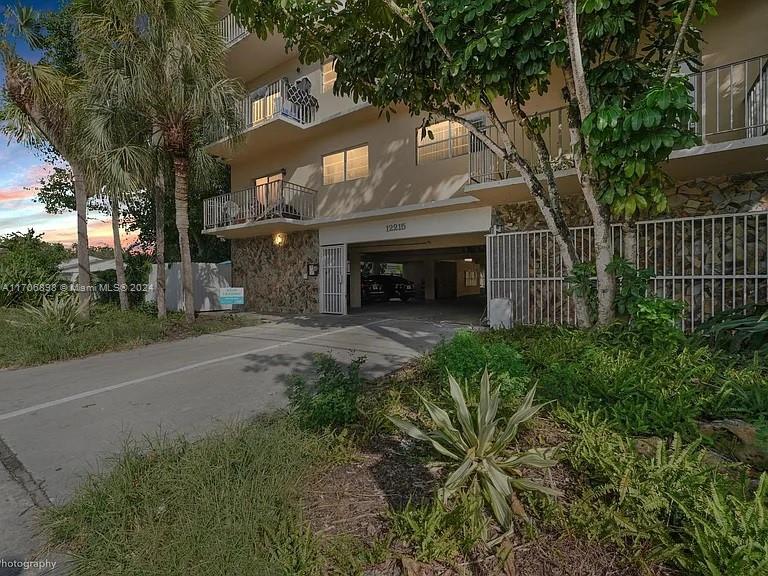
x: 228, y: 504
x: 23, y: 343
x: 232, y: 502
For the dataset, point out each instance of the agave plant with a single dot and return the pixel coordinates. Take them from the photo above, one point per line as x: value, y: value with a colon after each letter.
x: 64, y: 310
x: 479, y: 447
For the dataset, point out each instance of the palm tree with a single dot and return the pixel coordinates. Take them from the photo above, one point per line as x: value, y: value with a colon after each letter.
x: 164, y: 61
x: 38, y: 110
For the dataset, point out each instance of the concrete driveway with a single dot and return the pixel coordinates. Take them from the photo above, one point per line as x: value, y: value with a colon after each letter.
x: 58, y: 422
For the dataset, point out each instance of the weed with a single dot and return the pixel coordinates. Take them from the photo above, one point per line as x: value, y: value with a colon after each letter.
x: 330, y: 400
x: 435, y: 532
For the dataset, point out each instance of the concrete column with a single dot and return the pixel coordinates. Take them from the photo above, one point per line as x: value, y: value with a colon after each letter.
x: 355, y: 292
x: 429, y: 279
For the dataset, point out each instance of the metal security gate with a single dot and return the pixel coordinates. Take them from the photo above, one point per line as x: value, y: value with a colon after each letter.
x: 711, y: 263
x: 333, y: 279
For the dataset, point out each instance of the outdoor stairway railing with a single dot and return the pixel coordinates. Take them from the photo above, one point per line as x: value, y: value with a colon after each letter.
x: 279, y: 199
x: 731, y: 102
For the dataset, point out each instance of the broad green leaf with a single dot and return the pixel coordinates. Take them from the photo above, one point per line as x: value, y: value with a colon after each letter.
x: 462, y: 412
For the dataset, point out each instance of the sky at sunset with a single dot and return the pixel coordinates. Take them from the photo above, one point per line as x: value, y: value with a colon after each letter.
x: 20, y: 172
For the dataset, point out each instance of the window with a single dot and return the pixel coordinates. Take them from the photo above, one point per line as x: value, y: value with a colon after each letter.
x: 348, y: 164
x: 470, y: 277
x: 329, y: 75
x: 450, y: 139
x: 277, y: 177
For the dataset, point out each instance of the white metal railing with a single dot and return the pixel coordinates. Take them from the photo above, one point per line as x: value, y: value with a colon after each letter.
x: 711, y: 263
x: 731, y: 102
x: 231, y: 30
x: 279, y: 199
x: 280, y: 99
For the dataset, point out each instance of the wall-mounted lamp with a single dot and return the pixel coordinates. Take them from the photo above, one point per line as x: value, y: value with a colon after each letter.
x: 279, y: 239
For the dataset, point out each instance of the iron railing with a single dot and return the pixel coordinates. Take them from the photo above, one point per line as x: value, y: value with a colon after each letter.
x: 731, y: 102
x: 279, y: 199
x: 710, y: 263
x: 231, y: 30
x: 280, y: 99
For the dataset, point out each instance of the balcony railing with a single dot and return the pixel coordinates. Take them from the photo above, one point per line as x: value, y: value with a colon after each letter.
x: 231, y: 30
x: 280, y: 199
x: 280, y: 99
x: 731, y: 102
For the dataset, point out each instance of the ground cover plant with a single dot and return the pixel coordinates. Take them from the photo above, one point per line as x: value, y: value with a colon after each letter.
x: 641, y: 490
x: 28, y: 338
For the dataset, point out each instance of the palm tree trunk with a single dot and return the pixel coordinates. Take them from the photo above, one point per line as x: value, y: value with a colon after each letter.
x: 83, y: 258
x: 181, y: 172
x: 160, y: 246
x: 119, y: 262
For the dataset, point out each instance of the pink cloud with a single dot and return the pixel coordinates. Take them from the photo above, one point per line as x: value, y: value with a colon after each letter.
x: 99, y: 234
x: 27, y: 184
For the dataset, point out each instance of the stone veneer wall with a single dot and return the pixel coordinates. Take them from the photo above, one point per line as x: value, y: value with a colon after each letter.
x: 274, y: 277
x: 703, y: 196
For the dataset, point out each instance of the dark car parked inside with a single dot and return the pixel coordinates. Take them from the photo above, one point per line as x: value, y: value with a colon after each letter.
x: 394, y: 286
x: 371, y: 290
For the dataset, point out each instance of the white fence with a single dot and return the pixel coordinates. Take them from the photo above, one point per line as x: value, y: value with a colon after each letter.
x: 208, y: 277
x: 711, y: 263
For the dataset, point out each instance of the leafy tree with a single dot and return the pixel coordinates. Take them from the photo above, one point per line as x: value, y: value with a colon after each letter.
x: 160, y: 65
x: 627, y: 109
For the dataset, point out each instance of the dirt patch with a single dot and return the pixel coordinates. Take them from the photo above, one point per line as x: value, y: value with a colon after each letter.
x: 353, y: 499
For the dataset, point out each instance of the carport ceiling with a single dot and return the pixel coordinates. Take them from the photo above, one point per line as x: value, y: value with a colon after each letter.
x: 455, y: 253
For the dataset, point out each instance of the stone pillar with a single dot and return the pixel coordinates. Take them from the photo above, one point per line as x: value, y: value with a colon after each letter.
x: 429, y: 279
x: 355, y: 292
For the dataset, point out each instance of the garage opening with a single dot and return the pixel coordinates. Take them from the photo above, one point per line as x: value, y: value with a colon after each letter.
x: 441, y: 278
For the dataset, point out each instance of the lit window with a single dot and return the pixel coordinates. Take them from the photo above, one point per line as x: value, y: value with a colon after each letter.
x: 329, y: 75
x: 470, y: 277
x: 357, y: 163
x: 333, y: 168
x: 449, y: 139
x: 348, y: 164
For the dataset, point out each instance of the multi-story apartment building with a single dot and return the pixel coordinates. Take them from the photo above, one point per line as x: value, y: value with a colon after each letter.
x: 322, y: 185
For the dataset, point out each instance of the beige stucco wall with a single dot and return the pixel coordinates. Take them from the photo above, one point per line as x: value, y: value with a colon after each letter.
x: 394, y: 178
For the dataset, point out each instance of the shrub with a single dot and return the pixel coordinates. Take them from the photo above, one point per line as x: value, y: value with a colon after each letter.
x: 330, y: 400
x: 64, y: 311
x: 642, y: 389
x: 741, y: 330
x: 468, y: 353
x: 28, y: 268
x: 670, y: 505
x: 478, y: 447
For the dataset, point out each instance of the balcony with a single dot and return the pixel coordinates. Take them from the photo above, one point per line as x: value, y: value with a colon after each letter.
x: 231, y: 30
x: 283, y: 100
x: 732, y: 105
x: 281, y: 203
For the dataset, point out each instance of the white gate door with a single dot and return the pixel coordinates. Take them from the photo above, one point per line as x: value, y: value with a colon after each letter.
x: 333, y: 279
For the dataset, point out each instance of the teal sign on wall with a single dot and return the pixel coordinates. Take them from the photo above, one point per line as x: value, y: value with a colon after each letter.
x: 231, y: 296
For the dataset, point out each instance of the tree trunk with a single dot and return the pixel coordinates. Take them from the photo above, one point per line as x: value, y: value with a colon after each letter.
x: 83, y: 258
x: 181, y: 172
x: 160, y: 246
x: 119, y: 263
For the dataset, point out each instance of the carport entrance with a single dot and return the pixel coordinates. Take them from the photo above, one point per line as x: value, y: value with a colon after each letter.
x: 441, y: 277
